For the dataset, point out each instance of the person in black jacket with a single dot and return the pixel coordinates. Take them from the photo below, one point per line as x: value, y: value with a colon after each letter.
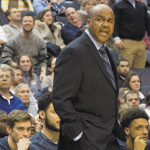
x: 131, y: 22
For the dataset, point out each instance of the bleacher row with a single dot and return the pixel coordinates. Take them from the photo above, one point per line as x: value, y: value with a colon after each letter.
x: 57, y: 18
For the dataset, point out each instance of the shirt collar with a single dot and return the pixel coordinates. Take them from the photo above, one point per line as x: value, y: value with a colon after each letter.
x: 133, y: 3
x: 97, y: 45
x: 14, y: 26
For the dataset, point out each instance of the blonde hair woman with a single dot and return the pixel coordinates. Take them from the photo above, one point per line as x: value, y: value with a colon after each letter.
x: 86, y: 6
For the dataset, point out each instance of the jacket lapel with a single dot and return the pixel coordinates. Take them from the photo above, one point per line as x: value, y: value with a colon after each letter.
x: 92, y: 49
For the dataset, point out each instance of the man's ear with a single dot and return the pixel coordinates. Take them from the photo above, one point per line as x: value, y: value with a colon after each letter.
x: 127, y: 131
x: 9, y: 130
x: 42, y: 114
x: 117, y: 68
x: 88, y: 23
x: 9, y: 17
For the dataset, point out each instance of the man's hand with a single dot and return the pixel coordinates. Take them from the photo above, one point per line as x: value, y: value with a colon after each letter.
x: 23, y: 144
x: 62, y: 9
x: 139, y: 143
x: 42, y: 75
x: 53, y: 2
x: 1, y: 41
x: 118, y: 43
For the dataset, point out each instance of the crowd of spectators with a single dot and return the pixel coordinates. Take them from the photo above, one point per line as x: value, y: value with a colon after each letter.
x: 27, y: 116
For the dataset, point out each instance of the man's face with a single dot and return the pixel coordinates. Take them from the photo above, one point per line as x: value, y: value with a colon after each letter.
x: 123, y: 68
x: 15, y: 15
x: 52, y: 120
x: 3, y: 131
x: 5, y: 79
x: 20, y: 130
x: 72, y: 15
x: 138, y: 127
x: 27, y: 23
x: 18, y: 77
x: 25, y: 63
x: 101, y: 24
x: 24, y: 94
x: 102, y: 2
x: 133, y: 100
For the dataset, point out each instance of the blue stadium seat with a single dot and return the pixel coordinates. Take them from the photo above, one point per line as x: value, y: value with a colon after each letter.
x: 74, y: 5
x: 144, y: 75
x: 145, y: 90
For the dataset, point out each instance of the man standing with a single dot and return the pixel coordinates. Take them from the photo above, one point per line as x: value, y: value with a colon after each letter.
x: 69, y: 31
x: 19, y: 129
x: 88, y: 112
x: 131, y: 22
x: 26, y: 43
x: 14, y: 27
x: 48, y: 138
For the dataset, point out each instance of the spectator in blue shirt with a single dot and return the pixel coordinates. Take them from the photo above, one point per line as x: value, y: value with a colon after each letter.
x: 47, y: 139
x: 40, y: 5
x: 19, y: 128
x: 8, y: 101
x: 69, y: 31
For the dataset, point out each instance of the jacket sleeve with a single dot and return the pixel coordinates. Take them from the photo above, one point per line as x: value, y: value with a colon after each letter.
x: 8, y: 52
x: 68, y: 75
x: 8, y: 34
x: 117, y: 21
x: 147, y: 22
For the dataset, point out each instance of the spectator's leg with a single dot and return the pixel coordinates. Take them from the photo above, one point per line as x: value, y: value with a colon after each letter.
x: 128, y: 51
x: 140, y: 58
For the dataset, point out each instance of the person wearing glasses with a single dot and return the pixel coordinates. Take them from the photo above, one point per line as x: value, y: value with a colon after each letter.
x: 8, y: 101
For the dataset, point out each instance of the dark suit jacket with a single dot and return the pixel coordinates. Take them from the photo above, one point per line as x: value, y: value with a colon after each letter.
x: 83, y: 94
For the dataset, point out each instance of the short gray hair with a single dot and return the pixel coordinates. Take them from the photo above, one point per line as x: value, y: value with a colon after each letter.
x: 7, y: 67
x: 131, y: 92
x: 18, y: 87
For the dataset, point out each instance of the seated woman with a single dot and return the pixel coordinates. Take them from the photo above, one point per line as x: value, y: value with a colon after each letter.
x: 133, y: 82
x: 26, y: 65
x: 22, y: 5
x: 86, y: 6
x: 49, y: 31
x: 48, y: 80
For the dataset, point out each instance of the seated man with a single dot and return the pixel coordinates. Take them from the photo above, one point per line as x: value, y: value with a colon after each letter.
x: 3, y: 118
x: 132, y: 99
x: 14, y: 27
x: 134, y: 122
x: 19, y: 129
x: 122, y: 92
x: 69, y: 31
x: 34, y: 46
x: 48, y: 138
x: 23, y: 92
x: 8, y: 101
x: 18, y: 78
x: 123, y: 68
